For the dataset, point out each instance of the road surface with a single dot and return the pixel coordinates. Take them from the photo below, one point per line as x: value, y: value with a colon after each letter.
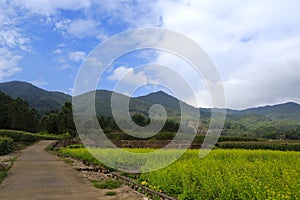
x: 37, y: 174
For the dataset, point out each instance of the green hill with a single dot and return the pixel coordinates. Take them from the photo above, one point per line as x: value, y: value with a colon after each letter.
x: 286, y: 111
x: 42, y: 100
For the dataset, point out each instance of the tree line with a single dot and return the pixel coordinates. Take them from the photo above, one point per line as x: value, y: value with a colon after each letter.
x: 17, y: 115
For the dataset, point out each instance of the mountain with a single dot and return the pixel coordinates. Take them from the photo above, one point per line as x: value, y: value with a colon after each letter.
x: 42, y: 100
x: 290, y: 111
x: 138, y: 104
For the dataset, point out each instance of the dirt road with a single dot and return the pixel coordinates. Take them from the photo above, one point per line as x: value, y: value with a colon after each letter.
x: 39, y: 175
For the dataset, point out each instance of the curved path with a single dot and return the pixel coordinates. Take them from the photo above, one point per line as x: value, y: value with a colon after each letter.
x: 37, y: 174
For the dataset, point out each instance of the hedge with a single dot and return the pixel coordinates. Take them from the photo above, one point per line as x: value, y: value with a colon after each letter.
x: 200, y: 138
x: 271, y: 145
x: 6, y: 145
x: 22, y: 136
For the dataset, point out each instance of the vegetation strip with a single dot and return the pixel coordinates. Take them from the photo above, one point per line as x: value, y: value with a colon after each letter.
x: 129, y: 182
x: 223, y: 174
x: 22, y: 136
x: 6, y: 145
x: 140, y: 188
x: 6, y: 162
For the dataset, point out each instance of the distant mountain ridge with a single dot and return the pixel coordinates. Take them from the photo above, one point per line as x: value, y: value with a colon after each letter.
x: 289, y: 110
x: 41, y: 100
x: 45, y: 101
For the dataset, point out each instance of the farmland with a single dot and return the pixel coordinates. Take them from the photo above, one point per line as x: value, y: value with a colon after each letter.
x: 223, y: 174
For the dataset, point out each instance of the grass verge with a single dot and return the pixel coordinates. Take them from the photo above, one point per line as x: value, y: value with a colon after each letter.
x: 110, y: 193
x: 107, y: 184
x: 5, y: 167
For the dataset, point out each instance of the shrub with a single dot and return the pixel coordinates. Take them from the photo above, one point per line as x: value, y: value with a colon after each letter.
x: 21, y: 136
x: 6, y: 145
x: 271, y: 145
x: 110, y: 193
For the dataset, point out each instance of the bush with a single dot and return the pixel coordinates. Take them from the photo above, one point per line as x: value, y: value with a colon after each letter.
x: 200, y: 138
x: 21, y: 136
x: 107, y: 184
x: 110, y: 193
x: 271, y: 145
x: 6, y: 145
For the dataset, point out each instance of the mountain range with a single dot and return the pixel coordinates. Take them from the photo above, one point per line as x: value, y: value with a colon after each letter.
x: 45, y: 101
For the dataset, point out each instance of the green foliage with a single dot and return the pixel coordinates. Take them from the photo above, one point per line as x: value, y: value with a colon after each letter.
x: 170, y: 126
x: 200, y: 138
x: 75, y: 146
x: 60, y: 122
x: 110, y: 193
x: 107, y: 184
x: 3, y: 171
x: 68, y: 161
x: 21, y: 136
x: 16, y: 114
x: 293, y: 134
x: 222, y: 174
x: 272, y: 122
x: 6, y: 145
x: 230, y: 174
x: 272, y: 145
x: 139, y: 119
x: 49, y: 122
x: 43, y: 101
x: 79, y: 153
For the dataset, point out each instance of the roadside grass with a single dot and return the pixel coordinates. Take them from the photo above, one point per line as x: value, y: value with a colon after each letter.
x: 106, y: 184
x: 4, y: 168
x: 67, y: 160
x: 110, y: 193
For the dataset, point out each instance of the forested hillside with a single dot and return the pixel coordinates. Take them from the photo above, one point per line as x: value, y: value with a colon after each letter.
x: 52, y: 112
x: 41, y: 100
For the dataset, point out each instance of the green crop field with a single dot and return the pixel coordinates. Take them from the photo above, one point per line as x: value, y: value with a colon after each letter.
x: 222, y: 174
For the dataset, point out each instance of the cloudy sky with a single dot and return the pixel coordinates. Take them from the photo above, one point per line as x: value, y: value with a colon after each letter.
x: 255, y: 45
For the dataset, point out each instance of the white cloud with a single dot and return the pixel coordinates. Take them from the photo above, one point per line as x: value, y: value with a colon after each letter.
x: 255, y: 46
x: 57, y: 51
x: 8, y: 63
x: 127, y: 79
x: 70, y: 91
x: 51, y: 7
x: 128, y: 75
x: 12, y: 37
x: 39, y: 82
x: 77, y: 56
x: 80, y: 28
x: 130, y: 14
x: 252, y: 43
x: 13, y: 40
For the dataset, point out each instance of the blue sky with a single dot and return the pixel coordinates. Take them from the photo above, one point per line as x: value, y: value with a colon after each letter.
x: 255, y: 45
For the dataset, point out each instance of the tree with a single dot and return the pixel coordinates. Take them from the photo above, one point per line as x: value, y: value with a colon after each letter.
x: 21, y: 117
x: 139, y: 119
x: 170, y: 126
x: 49, y: 122
x: 65, y: 119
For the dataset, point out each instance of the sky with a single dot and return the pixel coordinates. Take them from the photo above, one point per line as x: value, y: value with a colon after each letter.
x: 254, y: 45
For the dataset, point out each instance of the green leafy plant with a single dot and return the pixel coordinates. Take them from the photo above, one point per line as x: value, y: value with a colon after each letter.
x: 6, y: 145
x: 107, y: 184
x: 110, y: 193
